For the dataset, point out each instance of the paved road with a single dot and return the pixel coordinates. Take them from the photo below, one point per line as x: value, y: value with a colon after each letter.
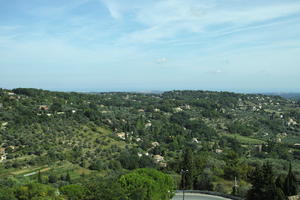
x: 195, y: 196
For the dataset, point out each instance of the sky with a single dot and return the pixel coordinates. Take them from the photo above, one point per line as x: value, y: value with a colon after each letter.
x: 144, y: 45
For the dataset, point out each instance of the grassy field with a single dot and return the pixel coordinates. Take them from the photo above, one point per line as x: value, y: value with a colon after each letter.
x: 244, y: 139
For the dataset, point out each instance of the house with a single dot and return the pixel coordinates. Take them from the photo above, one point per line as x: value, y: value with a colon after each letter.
x: 158, y: 158
x: 2, y: 157
x: 121, y: 135
x: 259, y: 147
x: 2, y: 150
x: 163, y: 164
x: 195, y: 140
x: 44, y: 107
x: 291, y: 122
x: 297, y: 145
x: 156, y: 110
x: 2, y: 154
x: 178, y: 109
x: 296, y: 197
x: 148, y: 125
x: 155, y: 144
x: 218, y: 151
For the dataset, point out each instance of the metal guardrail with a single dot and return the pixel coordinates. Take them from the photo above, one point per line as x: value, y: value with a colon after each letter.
x: 211, y: 193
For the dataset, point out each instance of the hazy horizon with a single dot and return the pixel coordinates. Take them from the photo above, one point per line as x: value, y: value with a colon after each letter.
x: 122, y: 45
x: 160, y: 91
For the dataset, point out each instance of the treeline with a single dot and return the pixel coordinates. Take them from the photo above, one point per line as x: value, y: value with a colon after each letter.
x: 140, y: 184
x: 264, y: 183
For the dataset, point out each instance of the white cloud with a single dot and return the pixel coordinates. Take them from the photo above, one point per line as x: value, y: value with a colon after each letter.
x: 114, y: 8
x: 161, y: 60
x: 168, y: 18
x: 218, y: 71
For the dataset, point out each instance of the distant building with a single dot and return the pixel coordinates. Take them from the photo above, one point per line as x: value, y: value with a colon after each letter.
x: 148, y: 125
x: 178, y: 109
x: 121, y: 135
x: 44, y: 107
x: 158, y: 158
x: 218, y: 151
x: 297, y: 145
x: 195, y: 140
x: 155, y: 144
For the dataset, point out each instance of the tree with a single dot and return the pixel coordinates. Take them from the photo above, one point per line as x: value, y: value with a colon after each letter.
x: 108, y: 189
x: 96, y: 165
x: 147, y: 184
x: 290, y: 184
x: 39, y: 177
x: 52, y: 178
x: 56, y: 107
x: 188, y: 169
x: 68, y: 177
x: 74, y: 192
x: 204, y: 181
x: 280, y: 182
x: 34, y: 191
x: 6, y: 194
x: 263, y: 185
x: 234, y: 167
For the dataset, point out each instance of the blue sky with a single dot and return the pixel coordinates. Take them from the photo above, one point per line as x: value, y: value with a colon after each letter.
x: 130, y: 45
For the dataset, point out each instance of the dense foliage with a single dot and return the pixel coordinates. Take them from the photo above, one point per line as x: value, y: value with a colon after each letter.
x: 56, y: 140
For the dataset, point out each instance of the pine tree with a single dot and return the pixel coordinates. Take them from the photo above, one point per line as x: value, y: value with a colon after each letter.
x: 290, y: 184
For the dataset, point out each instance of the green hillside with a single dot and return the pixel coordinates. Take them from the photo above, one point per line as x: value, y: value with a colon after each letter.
x: 84, y: 136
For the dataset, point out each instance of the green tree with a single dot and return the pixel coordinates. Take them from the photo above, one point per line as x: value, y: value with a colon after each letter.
x: 68, y: 177
x: 74, y: 192
x: 39, y: 177
x: 147, y: 184
x: 34, y: 191
x: 263, y: 185
x: 52, y: 178
x: 188, y: 169
x: 290, y: 184
x: 6, y: 194
x: 108, y: 189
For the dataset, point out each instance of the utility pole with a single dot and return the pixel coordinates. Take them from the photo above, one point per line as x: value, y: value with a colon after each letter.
x: 183, y: 173
x: 235, y: 187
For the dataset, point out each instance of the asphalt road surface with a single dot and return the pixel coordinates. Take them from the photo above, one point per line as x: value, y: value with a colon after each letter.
x: 195, y: 196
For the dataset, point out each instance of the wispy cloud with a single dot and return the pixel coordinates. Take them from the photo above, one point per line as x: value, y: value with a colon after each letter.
x: 161, y: 60
x: 127, y: 40
x: 166, y: 19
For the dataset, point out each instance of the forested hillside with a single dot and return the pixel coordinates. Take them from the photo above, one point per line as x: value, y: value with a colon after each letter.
x: 62, y: 139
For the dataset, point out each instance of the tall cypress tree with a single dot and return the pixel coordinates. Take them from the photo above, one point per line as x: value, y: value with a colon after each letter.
x: 68, y: 177
x: 40, y: 177
x: 188, y: 169
x: 290, y: 184
x: 263, y: 185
